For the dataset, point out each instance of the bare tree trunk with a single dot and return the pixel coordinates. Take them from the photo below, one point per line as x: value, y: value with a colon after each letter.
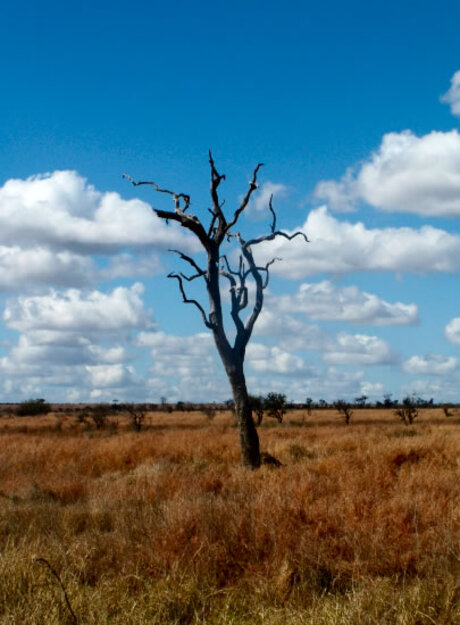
x: 211, y: 237
x: 249, y: 439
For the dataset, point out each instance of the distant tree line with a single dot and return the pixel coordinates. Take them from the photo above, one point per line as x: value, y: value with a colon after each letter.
x: 273, y: 405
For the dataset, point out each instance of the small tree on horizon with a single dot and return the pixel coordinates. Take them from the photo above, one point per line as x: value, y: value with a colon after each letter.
x: 136, y: 413
x: 33, y: 407
x: 408, y: 410
x: 345, y: 409
x: 220, y: 229
x: 276, y: 405
x: 361, y: 401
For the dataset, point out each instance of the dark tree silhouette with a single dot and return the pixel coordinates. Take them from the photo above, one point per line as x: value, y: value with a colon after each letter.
x: 219, y: 230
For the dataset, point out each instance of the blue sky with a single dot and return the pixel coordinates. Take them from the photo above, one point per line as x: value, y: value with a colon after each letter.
x: 353, y: 107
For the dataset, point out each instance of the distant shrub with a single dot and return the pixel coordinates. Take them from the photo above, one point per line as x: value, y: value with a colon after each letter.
x: 408, y: 410
x: 209, y: 412
x: 33, y: 407
x: 99, y: 415
x: 344, y: 408
x: 361, y: 401
x: 275, y: 405
x: 136, y: 414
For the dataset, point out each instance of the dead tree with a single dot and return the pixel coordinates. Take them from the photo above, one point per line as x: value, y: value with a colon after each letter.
x: 219, y: 230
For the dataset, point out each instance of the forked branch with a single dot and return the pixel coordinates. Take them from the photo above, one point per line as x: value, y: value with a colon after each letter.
x: 187, y: 300
x: 252, y: 187
x: 199, y: 272
x: 211, y: 239
x: 176, y: 196
x: 216, y: 212
x: 190, y: 222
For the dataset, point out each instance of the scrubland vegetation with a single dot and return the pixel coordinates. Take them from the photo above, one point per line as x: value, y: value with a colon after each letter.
x: 361, y: 524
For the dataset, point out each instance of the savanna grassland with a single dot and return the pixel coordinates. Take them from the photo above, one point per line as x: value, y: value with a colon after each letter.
x: 361, y: 524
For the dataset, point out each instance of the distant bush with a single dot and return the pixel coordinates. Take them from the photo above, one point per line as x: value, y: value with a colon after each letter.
x: 99, y: 414
x: 344, y: 408
x: 275, y: 404
x: 136, y: 414
x: 309, y: 405
x: 408, y: 410
x: 33, y: 408
x: 209, y: 412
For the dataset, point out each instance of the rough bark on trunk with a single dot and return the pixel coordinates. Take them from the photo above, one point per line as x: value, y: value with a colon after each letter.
x: 249, y: 439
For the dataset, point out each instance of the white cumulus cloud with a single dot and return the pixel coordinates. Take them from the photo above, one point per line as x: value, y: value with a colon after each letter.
x: 264, y: 359
x: 52, y: 224
x: 77, y: 311
x: 262, y: 198
x: 341, y: 247
x: 359, y: 349
x: 71, y: 339
x: 340, y: 349
x: 180, y: 356
x: 60, y: 210
x: 111, y: 376
x: 325, y: 301
x: 407, y: 173
x: 327, y: 383
x: 452, y: 96
x: 452, y: 331
x: 430, y: 364
x: 38, y: 267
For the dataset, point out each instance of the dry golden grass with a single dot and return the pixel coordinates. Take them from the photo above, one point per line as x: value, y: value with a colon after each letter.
x: 360, y: 525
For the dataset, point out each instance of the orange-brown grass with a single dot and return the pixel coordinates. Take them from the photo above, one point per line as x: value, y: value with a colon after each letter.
x: 360, y: 525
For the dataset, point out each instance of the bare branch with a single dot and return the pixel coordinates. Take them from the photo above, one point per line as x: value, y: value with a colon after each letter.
x: 190, y: 278
x: 45, y: 562
x: 242, y: 298
x: 190, y: 222
x: 175, y: 195
x: 241, y: 293
x: 273, y: 235
x: 188, y: 259
x: 224, y: 260
x: 266, y: 270
x: 217, y: 212
x: 259, y: 299
x: 215, y: 176
x: 270, y: 208
x: 273, y: 232
x: 229, y: 276
x: 252, y: 187
x: 186, y: 300
x: 270, y: 262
